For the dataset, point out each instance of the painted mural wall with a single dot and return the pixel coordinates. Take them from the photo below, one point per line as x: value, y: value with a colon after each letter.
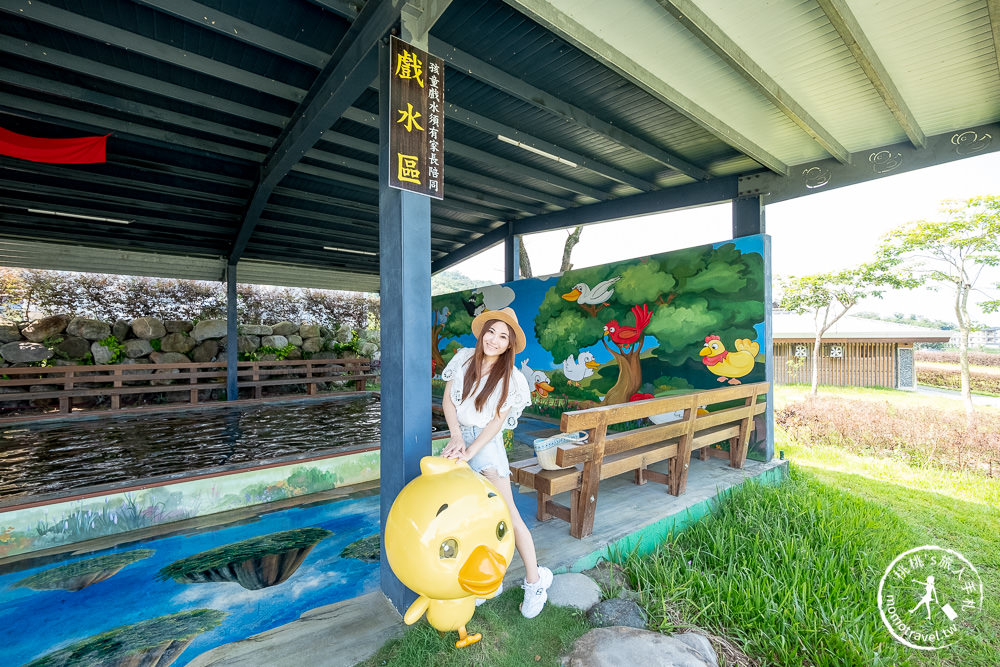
x: 659, y: 325
x: 59, y: 524
x: 168, y: 599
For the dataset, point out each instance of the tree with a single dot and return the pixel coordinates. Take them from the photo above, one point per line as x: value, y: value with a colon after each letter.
x: 828, y: 296
x: 565, y: 265
x: 12, y: 296
x: 451, y: 319
x: 689, y: 294
x: 447, y: 282
x: 953, y: 252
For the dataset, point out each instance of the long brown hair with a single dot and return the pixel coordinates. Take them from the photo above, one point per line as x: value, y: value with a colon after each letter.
x: 500, y: 371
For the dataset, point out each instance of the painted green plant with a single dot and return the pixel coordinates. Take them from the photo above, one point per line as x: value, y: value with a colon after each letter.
x: 367, y: 549
x: 238, y: 552
x: 129, y: 644
x: 80, y: 574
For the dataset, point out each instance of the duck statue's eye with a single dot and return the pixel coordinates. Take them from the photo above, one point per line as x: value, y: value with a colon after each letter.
x: 449, y: 548
x: 501, y: 530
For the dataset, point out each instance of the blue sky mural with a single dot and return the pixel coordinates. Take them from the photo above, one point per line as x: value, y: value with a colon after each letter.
x: 40, y: 621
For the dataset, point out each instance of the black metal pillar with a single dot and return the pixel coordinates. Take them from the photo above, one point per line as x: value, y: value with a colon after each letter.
x: 405, y: 295
x: 232, y: 335
x: 511, y: 255
x: 748, y: 216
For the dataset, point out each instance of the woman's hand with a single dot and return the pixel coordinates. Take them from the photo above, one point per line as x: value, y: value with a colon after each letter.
x: 455, y: 449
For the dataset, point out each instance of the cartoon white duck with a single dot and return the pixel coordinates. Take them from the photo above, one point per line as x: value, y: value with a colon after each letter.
x: 537, y: 380
x: 583, y: 367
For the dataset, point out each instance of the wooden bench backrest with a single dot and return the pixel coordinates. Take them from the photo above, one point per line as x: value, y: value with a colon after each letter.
x: 597, y: 419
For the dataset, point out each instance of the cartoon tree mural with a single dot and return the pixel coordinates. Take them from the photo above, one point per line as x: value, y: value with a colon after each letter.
x: 689, y: 294
x: 452, y: 317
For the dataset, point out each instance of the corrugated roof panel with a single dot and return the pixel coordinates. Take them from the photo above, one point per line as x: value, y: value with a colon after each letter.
x: 800, y: 49
x: 516, y: 46
x: 941, y: 57
x: 66, y: 43
x: 646, y: 33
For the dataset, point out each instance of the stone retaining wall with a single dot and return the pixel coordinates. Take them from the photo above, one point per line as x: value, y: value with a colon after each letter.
x: 62, y: 340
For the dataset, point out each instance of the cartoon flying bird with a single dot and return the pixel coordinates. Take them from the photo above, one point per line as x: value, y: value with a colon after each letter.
x: 537, y: 380
x: 627, y: 336
x: 496, y: 297
x: 728, y: 364
x: 583, y: 367
x: 599, y: 293
x: 448, y: 538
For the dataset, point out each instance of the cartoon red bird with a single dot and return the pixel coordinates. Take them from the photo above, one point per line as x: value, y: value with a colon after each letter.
x: 628, y: 336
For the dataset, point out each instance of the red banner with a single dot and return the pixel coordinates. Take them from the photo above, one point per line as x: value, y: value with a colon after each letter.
x: 84, y: 150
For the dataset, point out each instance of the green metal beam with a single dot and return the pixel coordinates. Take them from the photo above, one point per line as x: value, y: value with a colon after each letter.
x: 701, y: 26
x: 843, y: 20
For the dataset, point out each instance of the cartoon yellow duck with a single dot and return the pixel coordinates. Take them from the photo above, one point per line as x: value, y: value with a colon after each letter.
x: 448, y: 538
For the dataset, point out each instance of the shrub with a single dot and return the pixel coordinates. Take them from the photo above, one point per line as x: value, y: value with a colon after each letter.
x: 951, y: 378
x: 951, y: 357
x: 916, y: 434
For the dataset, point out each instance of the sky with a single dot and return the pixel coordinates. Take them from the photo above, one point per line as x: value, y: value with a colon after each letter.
x: 819, y: 232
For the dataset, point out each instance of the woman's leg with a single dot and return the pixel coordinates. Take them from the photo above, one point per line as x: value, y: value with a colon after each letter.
x: 522, y: 536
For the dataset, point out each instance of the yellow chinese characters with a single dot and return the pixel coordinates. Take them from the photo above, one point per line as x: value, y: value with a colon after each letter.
x: 409, y: 118
x: 408, y: 168
x: 408, y: 66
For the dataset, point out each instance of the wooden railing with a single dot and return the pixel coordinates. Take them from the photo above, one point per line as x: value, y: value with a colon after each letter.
x: 113, y: 381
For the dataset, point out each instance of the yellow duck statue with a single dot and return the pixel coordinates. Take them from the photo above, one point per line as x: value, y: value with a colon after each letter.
x: 448, y: 538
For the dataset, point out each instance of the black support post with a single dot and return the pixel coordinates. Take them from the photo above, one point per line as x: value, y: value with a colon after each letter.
x: 405, y: 295
x: 748, y: 216
x: 232, y: 351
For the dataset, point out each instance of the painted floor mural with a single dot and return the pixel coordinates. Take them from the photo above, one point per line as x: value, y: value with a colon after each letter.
x: 177, y: 596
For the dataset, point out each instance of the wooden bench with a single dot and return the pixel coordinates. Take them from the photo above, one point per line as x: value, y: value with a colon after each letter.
x: 606, y: 455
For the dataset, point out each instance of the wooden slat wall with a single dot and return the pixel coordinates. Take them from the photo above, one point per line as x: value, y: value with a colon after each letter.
x: 864, y: 364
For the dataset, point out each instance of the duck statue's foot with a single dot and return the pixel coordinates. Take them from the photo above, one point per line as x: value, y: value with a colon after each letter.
x: 465, y: 639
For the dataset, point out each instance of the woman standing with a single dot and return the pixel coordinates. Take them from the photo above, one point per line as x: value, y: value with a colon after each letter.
x: 483, y: 396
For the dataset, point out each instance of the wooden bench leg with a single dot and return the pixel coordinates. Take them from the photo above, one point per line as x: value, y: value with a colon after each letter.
x: 542, y: 498
x: 679, y: 471
x: 734, y: 453
x: 640, y: 476
x: 703, y: 453
x: 584, y: 505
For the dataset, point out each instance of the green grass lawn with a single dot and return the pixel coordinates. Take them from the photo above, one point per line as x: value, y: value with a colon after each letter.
x: 509, y: 639
x: 787, y: 574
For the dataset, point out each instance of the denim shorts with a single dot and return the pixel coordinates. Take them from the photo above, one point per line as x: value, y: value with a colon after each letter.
x: 492, y: 455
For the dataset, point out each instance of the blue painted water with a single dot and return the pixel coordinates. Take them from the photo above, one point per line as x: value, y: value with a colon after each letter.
x: 37, y: 622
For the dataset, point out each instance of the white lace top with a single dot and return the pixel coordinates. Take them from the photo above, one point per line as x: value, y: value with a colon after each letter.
x: 518, y: 396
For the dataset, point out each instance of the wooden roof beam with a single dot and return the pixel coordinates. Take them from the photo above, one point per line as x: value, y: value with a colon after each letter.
x: 843, y: 20
x: 700, y: 25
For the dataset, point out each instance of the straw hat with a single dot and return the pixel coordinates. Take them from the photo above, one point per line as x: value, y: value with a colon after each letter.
x: 508, y: 317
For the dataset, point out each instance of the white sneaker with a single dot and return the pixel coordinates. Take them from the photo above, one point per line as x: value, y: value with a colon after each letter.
x: 479, y: 601
x: 536, y: 594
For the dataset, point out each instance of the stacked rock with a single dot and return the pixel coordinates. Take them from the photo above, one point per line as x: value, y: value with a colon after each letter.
x: 62, y: 340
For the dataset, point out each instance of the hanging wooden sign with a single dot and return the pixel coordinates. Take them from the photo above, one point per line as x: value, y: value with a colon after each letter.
x: 416, y: 129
